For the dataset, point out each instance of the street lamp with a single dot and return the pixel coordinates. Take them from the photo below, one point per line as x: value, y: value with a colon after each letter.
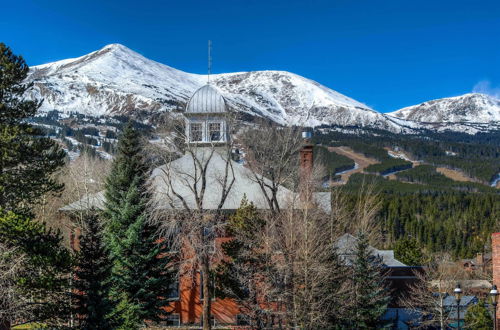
x: 458, y: 295
x: 494, y: 301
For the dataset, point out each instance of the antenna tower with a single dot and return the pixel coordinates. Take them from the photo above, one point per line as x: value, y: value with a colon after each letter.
x: 209, y: 60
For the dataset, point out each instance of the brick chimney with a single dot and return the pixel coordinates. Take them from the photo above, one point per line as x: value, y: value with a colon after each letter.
x: 306, y: 159
x: 495, y: 260
x: 306, y: 155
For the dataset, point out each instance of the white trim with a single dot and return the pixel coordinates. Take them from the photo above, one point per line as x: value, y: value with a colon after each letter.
x: 205, y: 132
x: 221, y: 130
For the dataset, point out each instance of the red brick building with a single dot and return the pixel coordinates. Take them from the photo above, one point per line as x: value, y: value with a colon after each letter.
x: 207, y: 137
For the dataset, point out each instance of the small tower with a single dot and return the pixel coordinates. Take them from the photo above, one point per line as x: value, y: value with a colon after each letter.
x: 206, y: 117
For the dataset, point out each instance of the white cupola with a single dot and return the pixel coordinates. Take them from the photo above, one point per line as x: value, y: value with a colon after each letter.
x: 206, y: 117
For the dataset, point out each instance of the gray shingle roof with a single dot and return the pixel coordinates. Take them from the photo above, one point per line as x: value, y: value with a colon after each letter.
x: 346, y: 247
x: 182, y: 173
x: 89, y: 201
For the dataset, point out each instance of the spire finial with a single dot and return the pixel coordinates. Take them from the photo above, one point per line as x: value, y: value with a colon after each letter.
x: 209, y: 60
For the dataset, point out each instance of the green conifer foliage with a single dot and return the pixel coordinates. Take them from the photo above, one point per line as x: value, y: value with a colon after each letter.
x: 140, y: 277
x: 408, y: 251
x: 238, y: 277
x: 27, y: 164
x: 27, y: 160
x: 91, y: 285
x: 43, y: 280
x: 478, y: 317
x: 370, y: 295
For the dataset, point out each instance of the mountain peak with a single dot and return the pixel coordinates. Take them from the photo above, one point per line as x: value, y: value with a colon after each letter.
x: 117, y: 80
x: 467, y: 108
x: 116, y: 48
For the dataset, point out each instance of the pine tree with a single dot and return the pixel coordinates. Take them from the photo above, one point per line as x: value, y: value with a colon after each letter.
x: 140, y: 275
x: 27, y: 164
x: 43, y: 276
x: 370, y: 295
x: 239, y: 275
x: 91, y: 285
x: 409, y: 251
x: 478, y: 317
x: 27, y: 160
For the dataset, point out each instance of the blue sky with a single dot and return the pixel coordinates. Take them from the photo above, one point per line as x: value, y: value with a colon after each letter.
x: 385, y: 53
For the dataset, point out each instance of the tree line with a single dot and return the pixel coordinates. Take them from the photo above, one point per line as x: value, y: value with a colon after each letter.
x: 443, y: 218
x: 477, y: 155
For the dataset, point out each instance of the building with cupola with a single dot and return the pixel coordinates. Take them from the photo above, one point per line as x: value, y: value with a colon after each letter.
x: 206, y: 117
x: 174, y: 190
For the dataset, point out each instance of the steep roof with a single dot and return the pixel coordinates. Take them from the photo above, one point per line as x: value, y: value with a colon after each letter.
x: 346, y: 247
x: 176, y: 179
x: 88, y: 201
x: 182, y: 172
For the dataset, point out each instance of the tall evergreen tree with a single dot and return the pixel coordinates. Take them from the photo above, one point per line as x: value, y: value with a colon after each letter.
x: 27, y: 160
x: 43, y: 280
x: 238, y: 277
x: 91, y: 285
x: 370, y: 296
x: 27, y: 164
x: 140, y: 273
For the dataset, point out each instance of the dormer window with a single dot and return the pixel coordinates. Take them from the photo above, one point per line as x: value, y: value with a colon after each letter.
x: 214, y: 132
x: 196, y: 132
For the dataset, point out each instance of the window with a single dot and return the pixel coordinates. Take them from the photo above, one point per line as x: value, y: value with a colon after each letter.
x: 172, y: 320
x: 173, y: 289
x: 214, y: 131
x: 211, y: 289
x: 209, y: 238
x: 196, y: 132
x: 242, y: 320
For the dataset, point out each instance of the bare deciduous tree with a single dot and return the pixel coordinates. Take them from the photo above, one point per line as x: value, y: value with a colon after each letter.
x: 272, y: 156
x: 426, y: 296
x: 82, y: 178
x: 12, y: 303
x: 297, y: 275
x: 188, y: 198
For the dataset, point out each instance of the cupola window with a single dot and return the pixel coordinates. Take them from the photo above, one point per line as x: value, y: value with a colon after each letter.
x: 196, y: 132
x: 206, y: 121
x: 214, y: 132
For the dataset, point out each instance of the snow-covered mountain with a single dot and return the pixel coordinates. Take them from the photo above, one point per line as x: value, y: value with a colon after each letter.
x: 117, y: 80
x: 468, y: 108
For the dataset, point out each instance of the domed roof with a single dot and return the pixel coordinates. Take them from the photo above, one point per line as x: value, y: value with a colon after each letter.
x: 207, y: 99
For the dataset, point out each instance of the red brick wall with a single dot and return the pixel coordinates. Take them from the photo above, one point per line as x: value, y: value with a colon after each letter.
x: 495, y: 258
x: 306, y: 159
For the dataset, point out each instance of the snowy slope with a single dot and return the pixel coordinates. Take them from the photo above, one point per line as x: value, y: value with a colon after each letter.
x: 468, y: 108
x: 117, y: 80
x: 113, y: 79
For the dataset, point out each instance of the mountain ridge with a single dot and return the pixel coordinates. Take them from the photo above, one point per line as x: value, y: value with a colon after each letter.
x: 466, y: 108
x: 117, y: 80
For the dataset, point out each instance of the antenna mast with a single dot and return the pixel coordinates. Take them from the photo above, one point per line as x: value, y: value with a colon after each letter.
x: 209, y: 60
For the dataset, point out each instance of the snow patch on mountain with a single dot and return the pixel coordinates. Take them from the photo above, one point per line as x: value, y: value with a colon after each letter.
x: 468, y: 108
x: 117, y: 80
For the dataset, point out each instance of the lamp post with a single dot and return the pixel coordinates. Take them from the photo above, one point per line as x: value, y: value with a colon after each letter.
x: 458, y: 295
x: 494, y: 301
